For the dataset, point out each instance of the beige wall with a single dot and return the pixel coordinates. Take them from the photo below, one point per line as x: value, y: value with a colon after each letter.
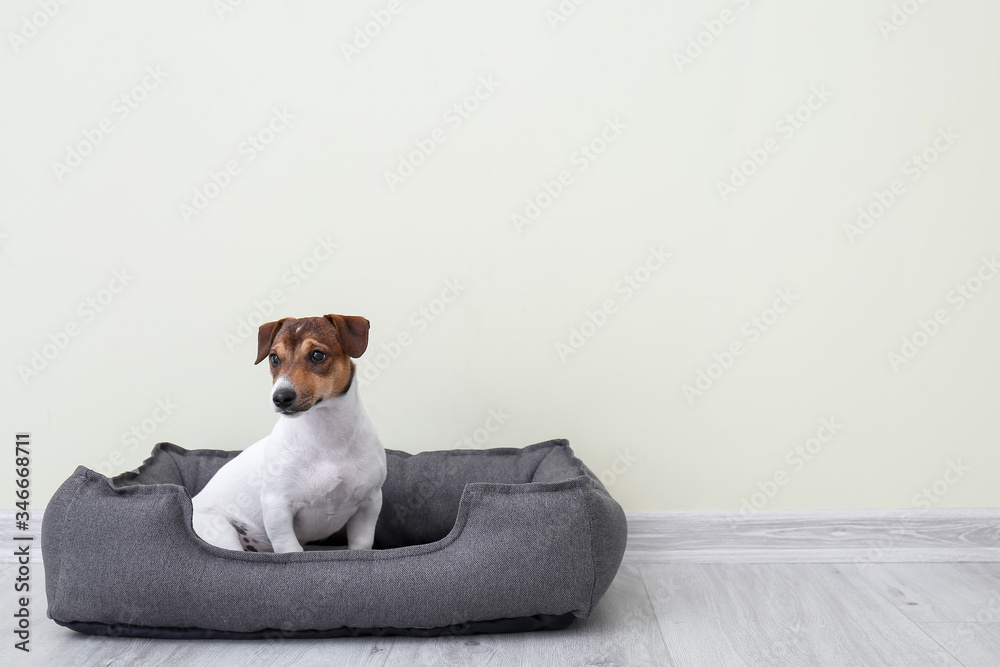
x: 790, y: 312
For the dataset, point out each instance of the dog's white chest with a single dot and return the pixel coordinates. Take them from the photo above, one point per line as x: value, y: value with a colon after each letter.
x: 330, y: 495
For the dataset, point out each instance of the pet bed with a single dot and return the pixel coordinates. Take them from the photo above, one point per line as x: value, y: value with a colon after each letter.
x: 468, y: 541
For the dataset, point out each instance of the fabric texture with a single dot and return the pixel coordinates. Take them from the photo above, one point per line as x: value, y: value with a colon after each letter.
x: 464, y: 537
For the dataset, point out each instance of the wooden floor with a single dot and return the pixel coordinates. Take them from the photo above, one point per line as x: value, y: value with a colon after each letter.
x: 863, y: 612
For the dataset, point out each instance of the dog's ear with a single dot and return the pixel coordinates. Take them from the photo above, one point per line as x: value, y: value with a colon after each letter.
x: 352, y: 331
x: 265, y: 336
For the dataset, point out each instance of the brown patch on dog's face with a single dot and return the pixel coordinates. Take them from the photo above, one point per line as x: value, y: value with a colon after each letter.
x: 308, y: 356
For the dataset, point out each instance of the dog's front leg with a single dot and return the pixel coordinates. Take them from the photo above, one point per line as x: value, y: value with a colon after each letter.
x: 279, y: 523
x: 361, y: 526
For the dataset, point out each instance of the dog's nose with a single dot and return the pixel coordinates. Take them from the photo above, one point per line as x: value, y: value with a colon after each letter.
x: 284, y: 397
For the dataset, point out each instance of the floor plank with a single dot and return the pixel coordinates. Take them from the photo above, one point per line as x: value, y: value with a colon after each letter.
x: 937, y: 592
x: 974, y: 644
x: 781, y: 614
x: 621, y: 631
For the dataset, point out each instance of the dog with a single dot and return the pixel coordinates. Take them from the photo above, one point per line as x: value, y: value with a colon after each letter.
x: 323, y: 465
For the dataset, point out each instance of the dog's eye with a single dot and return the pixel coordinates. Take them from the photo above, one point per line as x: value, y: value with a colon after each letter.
x: 318, y: 356
x: 274, y: 360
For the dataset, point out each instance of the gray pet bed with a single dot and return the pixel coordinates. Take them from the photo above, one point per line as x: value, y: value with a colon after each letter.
x: 468, y: 541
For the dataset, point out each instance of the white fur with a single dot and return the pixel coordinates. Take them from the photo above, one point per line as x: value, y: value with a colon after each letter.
x: 310, y: 477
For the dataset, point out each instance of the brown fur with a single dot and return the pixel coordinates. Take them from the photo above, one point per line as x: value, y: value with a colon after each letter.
x: 340, y: 337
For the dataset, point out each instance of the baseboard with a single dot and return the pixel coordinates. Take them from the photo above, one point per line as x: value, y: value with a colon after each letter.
x: 859, y: 536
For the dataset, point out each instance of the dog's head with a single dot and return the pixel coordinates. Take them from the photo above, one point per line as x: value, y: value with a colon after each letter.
x: 310, y: 358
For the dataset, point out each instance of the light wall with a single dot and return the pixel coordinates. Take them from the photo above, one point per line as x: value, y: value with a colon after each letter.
x: 663, y: 133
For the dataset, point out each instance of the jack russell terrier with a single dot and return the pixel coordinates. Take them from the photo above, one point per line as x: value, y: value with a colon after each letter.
x: 323, y: 465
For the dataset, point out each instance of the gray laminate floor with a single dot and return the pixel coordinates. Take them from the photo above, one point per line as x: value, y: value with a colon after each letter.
x: 685, y: 614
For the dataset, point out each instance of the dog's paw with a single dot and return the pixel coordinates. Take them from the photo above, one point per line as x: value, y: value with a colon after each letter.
x: 288, y: 548
x: 250, y: 545
x: 250, y: 539
x: 285, y: 545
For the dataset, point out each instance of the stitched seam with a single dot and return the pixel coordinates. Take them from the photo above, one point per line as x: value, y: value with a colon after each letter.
x: 593, y: 560
x: 553, y: 448
x: 495, y: 451
x: 62, y: 545
x: 180, y: 473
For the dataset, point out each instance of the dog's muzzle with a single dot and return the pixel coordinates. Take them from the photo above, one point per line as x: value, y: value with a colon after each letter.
x: 284, y: 398
x: 286, y: 401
